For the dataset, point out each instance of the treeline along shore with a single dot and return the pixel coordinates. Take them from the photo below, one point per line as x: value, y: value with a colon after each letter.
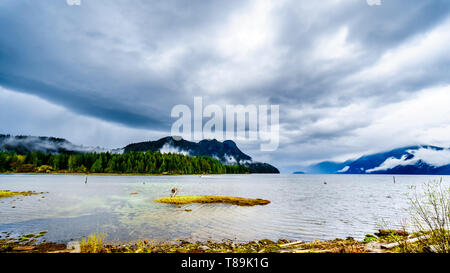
x: 128, y: 163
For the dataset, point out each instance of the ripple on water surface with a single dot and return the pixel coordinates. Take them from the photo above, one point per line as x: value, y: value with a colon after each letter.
x: 302, y: 207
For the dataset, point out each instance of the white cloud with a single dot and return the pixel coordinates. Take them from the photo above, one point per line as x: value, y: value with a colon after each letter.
x: 414, y: 56
x: 169, y: 149
x: 430, y: 156
x: 403, y: 123
x: 247, y: 41
x: 335, y: 47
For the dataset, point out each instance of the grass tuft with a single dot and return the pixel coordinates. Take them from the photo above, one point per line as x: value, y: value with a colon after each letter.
x: 93, y: 243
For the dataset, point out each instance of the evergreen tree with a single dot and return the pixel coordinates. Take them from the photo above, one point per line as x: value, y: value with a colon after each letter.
x: 97, y: 166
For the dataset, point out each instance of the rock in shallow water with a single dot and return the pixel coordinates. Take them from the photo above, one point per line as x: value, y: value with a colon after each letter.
x: 74, y: 246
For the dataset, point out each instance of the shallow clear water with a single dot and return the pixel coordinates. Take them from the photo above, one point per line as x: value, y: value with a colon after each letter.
x: 302, y: 207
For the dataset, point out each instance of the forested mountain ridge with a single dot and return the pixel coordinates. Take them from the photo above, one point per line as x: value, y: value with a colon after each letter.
x: 51, y: 151
x: 226, y: 152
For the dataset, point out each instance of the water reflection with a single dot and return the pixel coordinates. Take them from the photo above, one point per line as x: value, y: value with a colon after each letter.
x: 302, y: 206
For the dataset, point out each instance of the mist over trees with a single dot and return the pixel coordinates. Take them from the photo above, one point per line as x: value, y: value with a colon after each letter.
x: 132, y: 163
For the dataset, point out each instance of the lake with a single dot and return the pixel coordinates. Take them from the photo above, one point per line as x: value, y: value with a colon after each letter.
x: 302, y: 207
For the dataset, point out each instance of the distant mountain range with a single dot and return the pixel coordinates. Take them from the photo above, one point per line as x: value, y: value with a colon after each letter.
x: 226, y: 152
x: 25, y: 144
x: 421, y: 159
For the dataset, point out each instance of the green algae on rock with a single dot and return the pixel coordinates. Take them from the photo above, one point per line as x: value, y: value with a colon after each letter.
x: 182, y: 200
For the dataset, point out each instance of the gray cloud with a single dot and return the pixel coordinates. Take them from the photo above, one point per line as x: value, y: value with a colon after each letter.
x: 331, y: 65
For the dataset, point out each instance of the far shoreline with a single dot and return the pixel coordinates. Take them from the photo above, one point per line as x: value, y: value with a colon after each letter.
x: 221, y: 174
x: 126, y: 174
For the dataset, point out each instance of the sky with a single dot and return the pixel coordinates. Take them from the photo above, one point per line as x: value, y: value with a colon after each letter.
x: 349, y: 78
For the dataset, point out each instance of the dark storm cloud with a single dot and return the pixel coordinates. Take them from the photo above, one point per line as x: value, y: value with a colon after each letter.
x: 81, y: 103
x: 88, y: 63
x: 328, y: 64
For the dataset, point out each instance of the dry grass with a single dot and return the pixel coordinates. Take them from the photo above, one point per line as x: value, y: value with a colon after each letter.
x: 182, y: 200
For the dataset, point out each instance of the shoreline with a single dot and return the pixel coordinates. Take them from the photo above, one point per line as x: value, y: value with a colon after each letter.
x: 385, y: 241
x: 118, y: 174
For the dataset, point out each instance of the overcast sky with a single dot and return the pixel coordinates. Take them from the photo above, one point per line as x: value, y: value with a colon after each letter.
x: 350, y: 78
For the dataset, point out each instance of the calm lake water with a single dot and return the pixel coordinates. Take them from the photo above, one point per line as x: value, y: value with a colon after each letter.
x: 302, y: 207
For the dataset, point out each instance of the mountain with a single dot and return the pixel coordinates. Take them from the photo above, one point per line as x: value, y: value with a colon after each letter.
x: 421, y: 159
x: 327, y: 167
x: 226, y: 152
x: 26, y: 144
x: 258, y: 167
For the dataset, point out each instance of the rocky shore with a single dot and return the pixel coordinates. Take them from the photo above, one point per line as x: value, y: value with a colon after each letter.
x: 384, y: 241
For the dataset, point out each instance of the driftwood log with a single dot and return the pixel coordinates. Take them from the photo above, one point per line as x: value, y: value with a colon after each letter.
x: 409, y: 241
x: 291, y: 244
